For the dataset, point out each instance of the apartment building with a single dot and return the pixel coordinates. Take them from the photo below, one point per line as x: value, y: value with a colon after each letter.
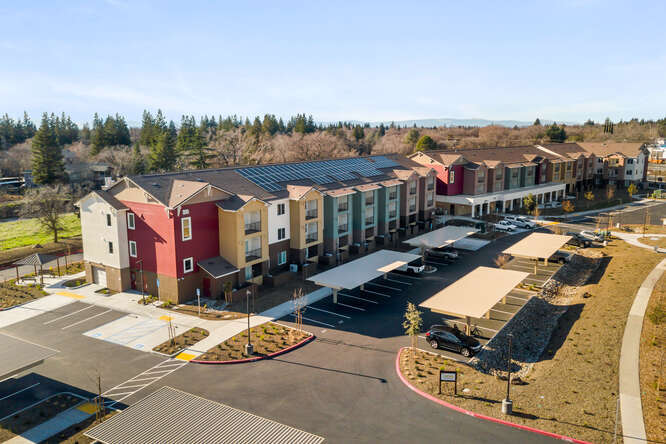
x: 620, y: 163
x: 177, y: 233
x: 656, y: 168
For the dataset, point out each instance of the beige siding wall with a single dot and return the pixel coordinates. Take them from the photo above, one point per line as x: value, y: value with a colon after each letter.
x: 96, y: 234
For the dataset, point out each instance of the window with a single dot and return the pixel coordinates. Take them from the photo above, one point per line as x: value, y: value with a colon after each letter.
x: 188, y: 265
x: 110, y: 247
x: 130, y: 221
x: 282, y: 233
x: 343, y: 203
x: 369, y: 197
x: 431, y: 183
x: 282, y: 257
x: 252, y: 222
x: 311, y: 209
x: 393, y: 210
x: 630, y: 161
x: 311, y: 232
x: 412, y: 204
x: 393, y: 192
x: 132, y: 248
x: 452, y: 176
x: 248, y: 272
x: 431, y: 198
x: 599, y: 170
x: 369, y: 215
x: 629, y: 172
x: 253, y: 248
x: 342, y: 223
x: 412, y: 187
x: 186, y: 228
x: 280, y: 209
x: 599, y: 160
x: 108, y: 220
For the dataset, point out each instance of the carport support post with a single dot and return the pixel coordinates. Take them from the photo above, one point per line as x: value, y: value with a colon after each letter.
x: 467, y: 325
x: 335, y: 296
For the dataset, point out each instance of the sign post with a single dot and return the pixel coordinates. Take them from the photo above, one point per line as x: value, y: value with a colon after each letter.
x: 448, y: 376
x: 199, y: 301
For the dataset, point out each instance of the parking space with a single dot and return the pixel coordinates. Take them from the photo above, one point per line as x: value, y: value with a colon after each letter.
x: 78, y: 317
x: 543, y: 272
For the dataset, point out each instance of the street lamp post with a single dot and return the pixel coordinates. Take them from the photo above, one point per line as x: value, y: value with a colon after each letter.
x: 507, y: 404
x: 143, y: 297
x: 249, y: 349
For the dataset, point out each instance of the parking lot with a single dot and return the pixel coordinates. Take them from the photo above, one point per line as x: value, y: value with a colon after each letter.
x: 538, y: 279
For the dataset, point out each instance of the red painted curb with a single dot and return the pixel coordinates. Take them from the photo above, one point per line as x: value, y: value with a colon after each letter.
x: 258, y: 358
x: 478, y: 415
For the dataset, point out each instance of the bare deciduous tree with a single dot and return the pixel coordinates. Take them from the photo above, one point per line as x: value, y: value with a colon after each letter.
x: 47, y: 204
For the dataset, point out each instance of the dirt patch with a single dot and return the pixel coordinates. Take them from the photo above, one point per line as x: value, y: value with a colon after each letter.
x: 653, y: 364
x: 74, y: 434
x: 267, y: 298
x: 36, y: 415
x: 12, y: 294
x: 267, y: 338
x: 572, y: 388
x: 182, y: 341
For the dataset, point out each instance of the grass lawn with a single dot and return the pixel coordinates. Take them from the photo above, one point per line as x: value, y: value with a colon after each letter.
x: 28, y: 232
x: 182, y: 341
x: 573, y: 388
x: 36, y: 415
x: 12, y: 295
x: 267, y: 338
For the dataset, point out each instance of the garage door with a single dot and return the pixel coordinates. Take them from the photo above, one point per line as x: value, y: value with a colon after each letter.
x: 99, y: 276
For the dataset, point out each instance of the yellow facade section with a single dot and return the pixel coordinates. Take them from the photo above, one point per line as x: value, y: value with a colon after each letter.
x: 232, y: 233
x: 297, y: 220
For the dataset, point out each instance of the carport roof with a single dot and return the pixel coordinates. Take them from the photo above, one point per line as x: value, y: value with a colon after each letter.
x: 173, y: 416
x: 475, y: 293
x: 359, y: 271
x: 537, y: 246
x: 441, y: 236
x: 24, y: 355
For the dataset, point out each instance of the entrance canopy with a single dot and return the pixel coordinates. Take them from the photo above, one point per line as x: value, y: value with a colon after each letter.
x: 20, y: 355
x: 441, y: 237
x: 476, y: 293
x: 537, y: 246
x: 359, y: 271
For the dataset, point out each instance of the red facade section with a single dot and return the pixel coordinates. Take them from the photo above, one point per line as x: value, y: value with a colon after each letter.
x: 205, y: 239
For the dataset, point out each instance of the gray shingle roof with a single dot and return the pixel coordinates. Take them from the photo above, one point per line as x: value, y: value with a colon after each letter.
x: 106, y: 197
x: 217, y: 267
x: 36, y: 259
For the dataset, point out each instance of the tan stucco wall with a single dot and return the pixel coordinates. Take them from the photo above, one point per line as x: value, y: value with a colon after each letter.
x: 297, y: 220
x: 232, y: 233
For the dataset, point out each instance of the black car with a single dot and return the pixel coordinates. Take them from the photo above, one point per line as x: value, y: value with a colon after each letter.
x: 451, y: 338
x: 578, y: 240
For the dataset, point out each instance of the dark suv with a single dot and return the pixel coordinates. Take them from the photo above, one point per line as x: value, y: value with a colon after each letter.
x: 578, y: 240
x: 451, y: 338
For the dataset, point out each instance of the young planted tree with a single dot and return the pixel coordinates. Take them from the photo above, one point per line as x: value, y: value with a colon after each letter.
x: 589, y: 197
x: 227, y: 292
x: 501, y: 260
x: 529, y: 203
x: 47, y: 204
x: 610, y: 192
x: 412, y: 324
x: 567, y: 207
x: 300, y: 304
x: 631, y: 190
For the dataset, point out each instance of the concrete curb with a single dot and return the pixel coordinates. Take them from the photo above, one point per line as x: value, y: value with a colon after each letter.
x: 258, y: 358
x: 478, y: 415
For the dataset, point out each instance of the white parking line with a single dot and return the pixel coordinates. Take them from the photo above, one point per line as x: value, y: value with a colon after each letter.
x: 87, y: 319
x: 383, y: 286
x: 378, y: 294
x: 67, y: 315
x: 313, y: 320
x: 130, y: 386
x: 330, y: 312
x: 401, y: 282
x: 356, y: 297
x: 351, y: 306
x: 22, y: 390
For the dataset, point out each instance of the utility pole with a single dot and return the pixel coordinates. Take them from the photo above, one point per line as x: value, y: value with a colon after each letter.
x: 143, y: 296
x: 507, y: 404
x: 249, y: 349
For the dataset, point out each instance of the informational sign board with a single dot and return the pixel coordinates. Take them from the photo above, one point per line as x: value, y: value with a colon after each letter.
x: 448, y: 376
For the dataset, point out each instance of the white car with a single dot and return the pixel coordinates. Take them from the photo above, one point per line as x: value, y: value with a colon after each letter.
x: 520, y: 221
x: 591, y: 235
x: 527, y: 222
x: 411, y: 269
x: 505, y: 225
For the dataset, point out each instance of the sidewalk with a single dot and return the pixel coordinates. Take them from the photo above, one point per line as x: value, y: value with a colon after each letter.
x: 55, y: 425
x: 603, y: 210
x: 634, y: 239
x: 631, y: 410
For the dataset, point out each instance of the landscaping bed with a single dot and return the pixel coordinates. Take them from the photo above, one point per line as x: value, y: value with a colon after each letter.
x: 572, y: 386
x: 36, y: 415
x: 267, y: 339
x: 74, y: 434
x: 73, y: 283
x: 182, y: 341
x: 206, y: 313
x: 12, y: 294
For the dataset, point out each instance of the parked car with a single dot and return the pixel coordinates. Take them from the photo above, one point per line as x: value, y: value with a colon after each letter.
x: 520, y: 221
x: 561, y: 257
x: 451, y: 338
x: 505, y: 225
x: 414, y: 267
x: 527, y: 221
x: 578, y: 240
x: 444, y: 252
x: 597, y: 237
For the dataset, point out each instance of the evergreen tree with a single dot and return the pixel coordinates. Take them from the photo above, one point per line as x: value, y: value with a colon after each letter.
x: 47, y: 159
x: 138, y: 162
x: 188, y: 136
x: 537, y: 122
x: 412, y: 137
x: 358, y: 132
x: 270, y: 124
x: 425, y: 143
x: 162, y: 156
x: 97, y: 135
x: 147, y: 136
x: 382, y: 130
x: 556, y: 134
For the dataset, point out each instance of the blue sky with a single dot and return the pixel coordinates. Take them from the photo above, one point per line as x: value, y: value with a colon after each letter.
x: 364, y: 60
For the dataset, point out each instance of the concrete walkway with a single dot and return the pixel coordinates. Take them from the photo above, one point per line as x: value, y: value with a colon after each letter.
x: 635, y: 239
x: 55, y: 425
x: 627, y: 207
x: 631, y: 410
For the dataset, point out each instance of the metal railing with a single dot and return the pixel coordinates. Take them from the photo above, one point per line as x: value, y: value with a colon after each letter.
x: 369, y: 200
x: 310, y: 237
x: 412, y: 190
x: 252, y: 227
x: 393, y: 195
x: 412, y: 208
x: 343, y: 206
x: 370, y: 220
x: 342, y: 228
x: 311, y: 214
x: 251, y: 255
x: 392, y: 214
x: 431, y: 186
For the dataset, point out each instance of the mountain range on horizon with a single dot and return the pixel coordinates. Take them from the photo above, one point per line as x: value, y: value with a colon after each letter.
x: 452, y: 122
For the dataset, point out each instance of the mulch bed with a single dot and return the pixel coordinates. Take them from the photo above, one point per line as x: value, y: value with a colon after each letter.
x: 206, y: 313
x: 74, y: 282
x: 12, y: 295
x: 74, y: 434
x: 267, y: 339
x: 182, y: 341
x: 36, y: 415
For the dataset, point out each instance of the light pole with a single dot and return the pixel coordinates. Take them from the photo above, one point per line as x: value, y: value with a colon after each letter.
x: 507, y: 404
x: 143, y: 297
x: 249, y: 349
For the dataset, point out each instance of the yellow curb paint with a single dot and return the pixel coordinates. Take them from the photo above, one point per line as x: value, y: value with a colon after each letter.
x: 88, y: 408
x: 185, y: 356
x: 165, y: 318
x: 70, y: 295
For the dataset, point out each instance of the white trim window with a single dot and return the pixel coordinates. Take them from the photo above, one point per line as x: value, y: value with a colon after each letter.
x: 280, y: 209
x: 282, y: 257
x: 110, y: 247
x: 130, y: 221
x: 452, y: 176
x: 188, y: 265
x: 108, y: 220
x: 186, y: 228
x: 282, y: 233
x: 132, y: 248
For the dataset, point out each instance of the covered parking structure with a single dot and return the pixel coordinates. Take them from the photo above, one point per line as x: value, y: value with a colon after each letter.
x: 441, y: 237
x: 475, y: 294
x: 360, y: 271
x: 537, y: 246
x: 20, y: 355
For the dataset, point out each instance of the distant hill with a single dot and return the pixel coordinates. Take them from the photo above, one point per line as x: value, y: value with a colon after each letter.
x: 458, y: 122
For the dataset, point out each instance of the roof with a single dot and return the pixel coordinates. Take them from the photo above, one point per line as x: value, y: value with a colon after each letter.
x: 340, y: 192
x: 296, y: 192
x: 537, y: 245
x: 173, y: 416
x: 234, y: 203
x: 217, y: 267
x: 359, y: 271
x: 106, y: 197
x: 183, y: 189
x: 24, y: 355
x: 391, y: 183
x: 629, y: 149
x: 404, y: 174
x: 36, y: 259
x: 368, y: 187
x: 475, y: 293
x: 440, y: 237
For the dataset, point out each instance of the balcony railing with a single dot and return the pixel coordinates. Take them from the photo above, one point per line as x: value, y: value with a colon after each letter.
x: 430, y: 202
x: 431, y: 186
x: 311, y: 214
x: 342, y: 228
x: 252, y: 227
x: 393, y: 195
x: 310, y: 237
x: 392, y: 214
x: 412, y: 208
x: 343, y: 206
x: 252, y: 255
x: 412, y: 190
x: 370, y: 220
x: 369, y: 200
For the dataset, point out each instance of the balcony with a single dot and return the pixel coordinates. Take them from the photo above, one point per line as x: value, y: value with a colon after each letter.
x: 393, y: 195
x: 342, y: 228
x: 310, y: 214
x: 392, y: 214
x: 252, y: 255
x: 430, y: 202
x: 252, y: 227
x: 431, y: 186
x: 343, y: 206
x: 370, y: 200
x: 412, y: 208
x: 370, y: 220
x: 412, y: 191
x: 310, y: 237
